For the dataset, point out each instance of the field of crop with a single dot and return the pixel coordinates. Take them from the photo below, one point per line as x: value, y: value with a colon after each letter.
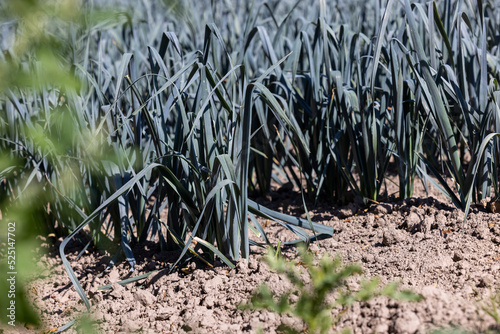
x: 167, y: 144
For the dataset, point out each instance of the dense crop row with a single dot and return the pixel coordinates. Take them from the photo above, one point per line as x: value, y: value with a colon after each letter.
x: 107, y: 119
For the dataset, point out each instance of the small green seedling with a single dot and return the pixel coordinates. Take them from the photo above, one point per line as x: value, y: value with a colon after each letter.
x: 491, y: 307
x: 326, y: 277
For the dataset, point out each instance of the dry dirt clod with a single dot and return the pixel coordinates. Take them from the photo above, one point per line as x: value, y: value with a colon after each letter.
x: 382, y: 209
x: 495, y: 206
x: 407, y: 323
x: 114, y: 275
x: 253, y: 264
x: 144, y: 297
x: 413, y: 222
x: 129, y: 325
x: 486, y: 280
x: 368, y: 258
x: 117, y: 291
x: 242, y: 267
x: 391, y: 236
x: 212, y: 285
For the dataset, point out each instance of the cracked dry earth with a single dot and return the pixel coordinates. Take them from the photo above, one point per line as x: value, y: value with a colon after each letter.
x: 418, y: 242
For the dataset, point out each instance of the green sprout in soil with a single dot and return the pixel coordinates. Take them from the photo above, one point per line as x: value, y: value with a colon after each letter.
x: 492, y: 308
x: 327, y: 279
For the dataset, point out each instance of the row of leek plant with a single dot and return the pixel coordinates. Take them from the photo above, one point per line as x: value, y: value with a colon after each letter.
x: 422, y: 92
x: 162, y: 129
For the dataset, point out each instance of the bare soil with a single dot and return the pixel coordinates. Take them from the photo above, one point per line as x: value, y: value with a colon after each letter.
x: 419, y: 242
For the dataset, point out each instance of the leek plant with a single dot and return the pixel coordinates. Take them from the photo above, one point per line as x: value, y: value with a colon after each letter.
x: 457, y: 84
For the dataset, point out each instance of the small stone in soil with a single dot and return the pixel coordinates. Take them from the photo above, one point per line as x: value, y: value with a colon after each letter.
x: 458, y: 256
